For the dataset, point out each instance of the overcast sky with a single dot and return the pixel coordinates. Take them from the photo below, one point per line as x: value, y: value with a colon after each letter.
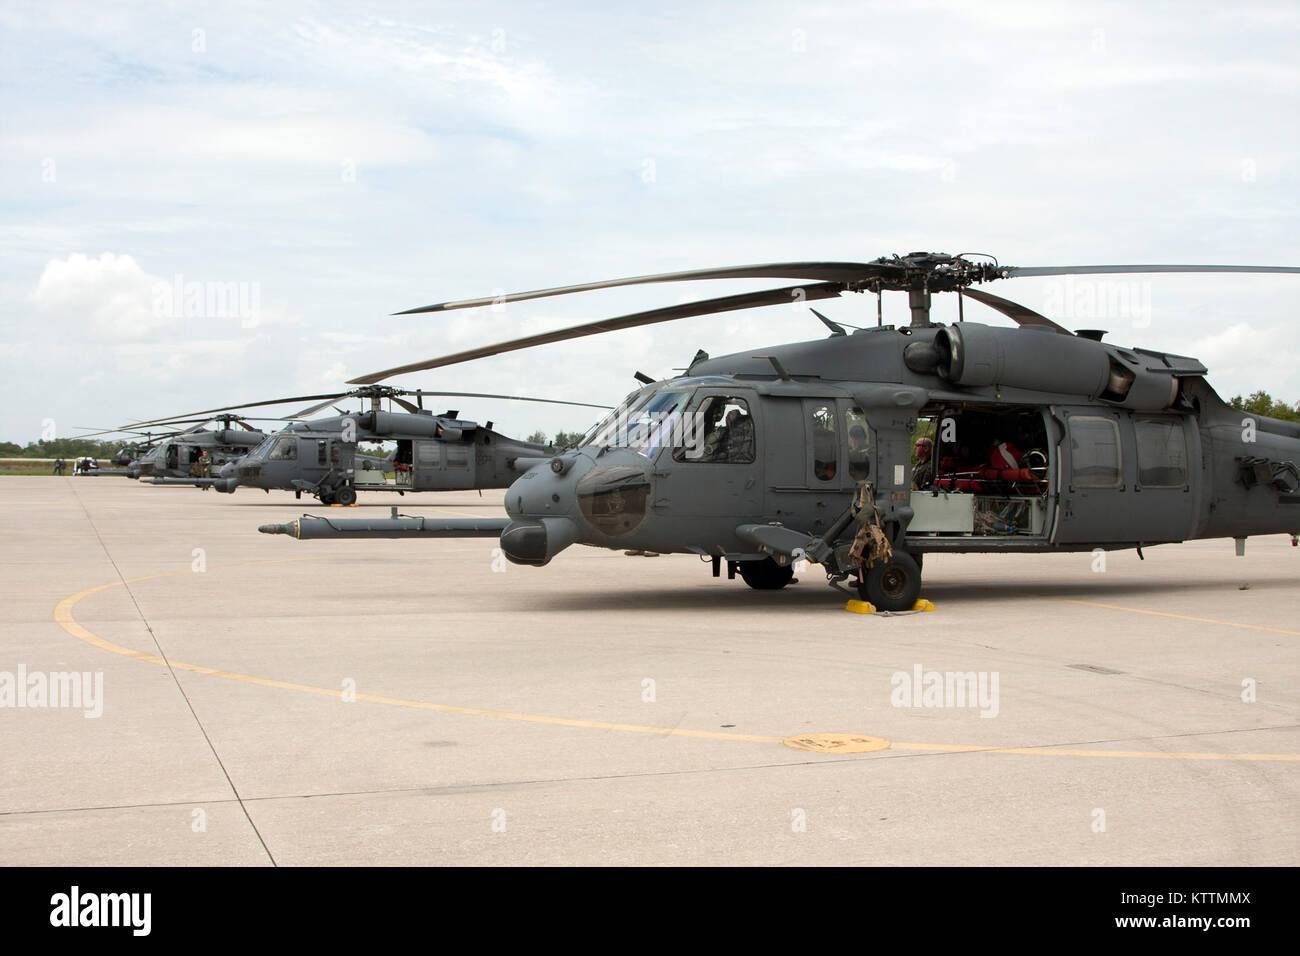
x: 339, y: 162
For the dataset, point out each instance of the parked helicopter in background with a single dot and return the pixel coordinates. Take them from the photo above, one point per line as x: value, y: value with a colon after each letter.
x: 178, y: 456
x: 320, y: 457
x: 1047, y: 441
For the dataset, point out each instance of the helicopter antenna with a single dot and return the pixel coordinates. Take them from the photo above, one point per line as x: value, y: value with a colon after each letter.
x: 835, y: 328
x: 776, y: 364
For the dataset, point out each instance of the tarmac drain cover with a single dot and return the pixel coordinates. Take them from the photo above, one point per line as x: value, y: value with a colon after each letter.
x: 837, y: 743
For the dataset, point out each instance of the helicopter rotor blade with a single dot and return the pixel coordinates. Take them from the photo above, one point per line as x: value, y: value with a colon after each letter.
x: 1013, y: 271
x: 110, y: 431
x: 1021, y: 315
x: 843, y: 272
x: 231, y: 408
x: 748, y: 300
x: 310, y: 409
x: 409, y: 406
x: 129, y: 431
x: 515, y: 398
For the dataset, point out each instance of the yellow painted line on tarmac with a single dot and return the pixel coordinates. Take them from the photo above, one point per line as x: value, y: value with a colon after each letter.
x: 1177, y: 617
x: 63, y: 616
x: 1071, y: 752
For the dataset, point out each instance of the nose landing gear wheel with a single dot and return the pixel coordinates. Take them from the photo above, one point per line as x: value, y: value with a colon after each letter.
x: 892, y: 585
x: 766, y: 575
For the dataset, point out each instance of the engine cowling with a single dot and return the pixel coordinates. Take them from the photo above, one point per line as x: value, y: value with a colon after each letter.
x: 974, y: 355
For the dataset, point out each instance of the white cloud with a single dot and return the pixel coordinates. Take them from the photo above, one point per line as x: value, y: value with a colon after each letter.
x: 1244, y: 358
x: 109, y: 296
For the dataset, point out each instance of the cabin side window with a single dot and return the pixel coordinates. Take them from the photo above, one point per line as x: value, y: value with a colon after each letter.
x: 1161, y: 453
x: 859, y: 444
x: 721, y: 431
x: 1094, y: 452
x: 825, y: 443
x: 457, y: 456
x: 322, y: 453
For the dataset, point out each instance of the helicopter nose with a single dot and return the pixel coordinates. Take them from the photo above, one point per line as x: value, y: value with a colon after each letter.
x: 545, y: 490
x: 541, y: 502
x: 608, y: 493
x: 536, y: 541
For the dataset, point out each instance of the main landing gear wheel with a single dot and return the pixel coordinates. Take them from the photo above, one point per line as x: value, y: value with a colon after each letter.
x: 325, y: 497
x: 892, y: 585
x: 346, y: 496
x: 766, y: 575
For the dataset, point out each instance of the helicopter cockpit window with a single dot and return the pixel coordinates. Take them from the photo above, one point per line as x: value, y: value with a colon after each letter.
x: 286, y: 449
x: 720, y: 430
x: 1095, y: 452
x: 824, y: 443
x: 261, y: 451
x: 859, y: 444
x: 1162, y: 453
x: 645, y: 422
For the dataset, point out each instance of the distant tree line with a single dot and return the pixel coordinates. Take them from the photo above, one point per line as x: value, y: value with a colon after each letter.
x: 61, y: 448
x: 1261, y: 403
x: 562, y: 439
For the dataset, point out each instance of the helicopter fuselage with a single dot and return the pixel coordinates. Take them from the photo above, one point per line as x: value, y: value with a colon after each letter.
x: 1038, y: 441
x: 1141, y: 451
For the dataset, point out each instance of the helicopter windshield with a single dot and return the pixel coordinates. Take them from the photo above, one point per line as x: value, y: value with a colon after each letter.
x: 260, y: 451
x: 643, y: 423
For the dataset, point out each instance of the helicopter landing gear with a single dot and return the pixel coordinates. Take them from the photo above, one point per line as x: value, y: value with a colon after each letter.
x: 765, y: 575
x: 325, y: 497
x: 346, y: 496
x: 893, y: 584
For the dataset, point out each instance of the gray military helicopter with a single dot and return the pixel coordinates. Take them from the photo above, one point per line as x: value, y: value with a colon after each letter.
x: 130, y: 451
x: 174, y: 457
x: 1044, y: 440
x: 320, y: 456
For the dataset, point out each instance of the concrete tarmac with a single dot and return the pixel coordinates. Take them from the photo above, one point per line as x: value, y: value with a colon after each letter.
x: 264, y: 700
